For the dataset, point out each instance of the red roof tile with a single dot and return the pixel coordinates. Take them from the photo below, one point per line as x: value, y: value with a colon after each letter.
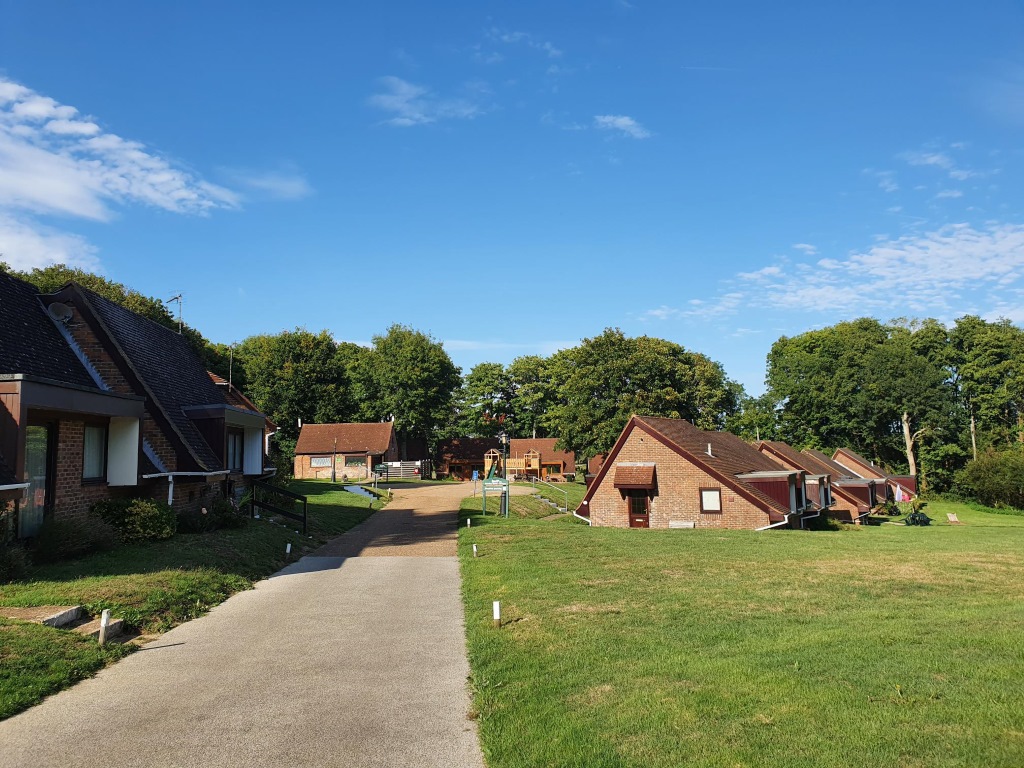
x: 372, y: 439
x: 634, y: 476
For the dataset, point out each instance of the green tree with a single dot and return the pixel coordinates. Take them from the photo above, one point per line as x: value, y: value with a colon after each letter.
x: 756, y: 418
x: 607, y: 378
x: 409, y: 378
x: 484, y: 402
x: 533, y: 395
x: 298, y: 376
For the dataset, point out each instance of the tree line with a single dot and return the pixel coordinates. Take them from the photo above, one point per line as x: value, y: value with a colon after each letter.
x: 912, y: 395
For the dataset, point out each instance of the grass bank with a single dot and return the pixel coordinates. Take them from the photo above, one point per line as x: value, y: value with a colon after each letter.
x: 153, y: 587
x: 877, y: 646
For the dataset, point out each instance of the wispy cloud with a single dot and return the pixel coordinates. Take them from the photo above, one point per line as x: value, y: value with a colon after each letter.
x: 524, y: 38
x: 623, y: 124
x: 919, y: 273
x: 286, y: 184
x: 807, y: 248
x: 886, y: 179
x: 411, y: 104
x: 949, y: 193
x: 56, y: 161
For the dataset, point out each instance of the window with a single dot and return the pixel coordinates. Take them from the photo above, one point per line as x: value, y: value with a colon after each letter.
x: 94, y: 453
x: 638, y: 501
x: 355, y: 461
x: 319, y: 461
x: 235, y: 442
x: 711, y: 500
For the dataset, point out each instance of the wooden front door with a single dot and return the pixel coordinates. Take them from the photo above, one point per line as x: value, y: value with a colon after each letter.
x: 639, y: 509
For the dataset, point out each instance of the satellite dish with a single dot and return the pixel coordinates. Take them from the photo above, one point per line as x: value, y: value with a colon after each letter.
x: 60, y: 312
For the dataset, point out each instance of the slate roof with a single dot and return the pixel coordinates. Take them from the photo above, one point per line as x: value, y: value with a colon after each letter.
x: 545, y: 446
x: 167, y: 366
x: 372, y: 439
x: 30, y: 342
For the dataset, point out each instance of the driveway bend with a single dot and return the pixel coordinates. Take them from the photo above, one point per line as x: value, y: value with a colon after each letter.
x: 354, y: 656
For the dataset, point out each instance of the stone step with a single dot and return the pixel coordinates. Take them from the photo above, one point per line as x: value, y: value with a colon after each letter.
x: 52, y: 615
x: 91, y: 628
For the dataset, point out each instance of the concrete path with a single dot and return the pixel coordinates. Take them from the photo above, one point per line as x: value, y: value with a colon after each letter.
x: 353, y: 657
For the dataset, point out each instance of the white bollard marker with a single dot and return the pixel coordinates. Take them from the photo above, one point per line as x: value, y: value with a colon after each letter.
x: 497, y: 615
x: 288, y: 548
x: 474, y: 550
x: 469, y: 522
x: 104, y: 621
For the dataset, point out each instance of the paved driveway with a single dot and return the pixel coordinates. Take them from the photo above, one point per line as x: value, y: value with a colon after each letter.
x: 353, y: 657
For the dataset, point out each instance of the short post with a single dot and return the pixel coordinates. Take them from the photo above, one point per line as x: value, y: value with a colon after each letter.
x: 104, y: 621
x: 497, y: 615
x: 288, y: 549
x: 474, y: 550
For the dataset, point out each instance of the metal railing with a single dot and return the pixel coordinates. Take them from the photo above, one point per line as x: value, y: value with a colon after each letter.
x: 257, y: 503
x: 553, y: 487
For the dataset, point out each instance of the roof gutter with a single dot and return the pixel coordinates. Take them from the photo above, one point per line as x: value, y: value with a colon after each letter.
x: 785, y: 521
x: 171, y: 475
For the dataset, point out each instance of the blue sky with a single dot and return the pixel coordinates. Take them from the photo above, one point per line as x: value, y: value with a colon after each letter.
x: 513, y: 177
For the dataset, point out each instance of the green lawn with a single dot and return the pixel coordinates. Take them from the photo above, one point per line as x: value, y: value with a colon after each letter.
x: 880, y: 646
x: 153, y: 587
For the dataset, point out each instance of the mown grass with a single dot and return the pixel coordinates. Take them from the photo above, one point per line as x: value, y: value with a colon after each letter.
x: 153, y: 587
x: 876, y: 646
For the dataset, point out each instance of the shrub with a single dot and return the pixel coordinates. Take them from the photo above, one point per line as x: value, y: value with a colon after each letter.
x: 220, y: 514
x: 996, y: 479
x: 13, y: 561
x: 65, y: 539
x: 138, y: 519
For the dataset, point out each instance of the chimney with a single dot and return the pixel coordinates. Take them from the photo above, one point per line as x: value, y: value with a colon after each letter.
x: 709, y: 451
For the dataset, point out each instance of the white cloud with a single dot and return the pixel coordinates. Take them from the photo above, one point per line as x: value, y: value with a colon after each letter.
x: 412, y: 104
x: 55, y: 161
x: 272, y: 185
x: 807, y: 248
x: 624, y: 124
x: 949, y: 193
x: 915, y: 274
x: 24, y: 244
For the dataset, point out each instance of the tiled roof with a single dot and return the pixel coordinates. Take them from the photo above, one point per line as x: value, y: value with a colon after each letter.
x: 865, y: 468
x: 545, y: 446
x: 168, y: 368
x: 730, y: 456
x: 371, y: 438
x: 838, y: 471
x: 466, y: 448
x: 30, y: 342
x: 634, y: 476
x: 794, y: 458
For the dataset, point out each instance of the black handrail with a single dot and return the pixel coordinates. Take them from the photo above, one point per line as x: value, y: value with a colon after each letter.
x: 256, y: 502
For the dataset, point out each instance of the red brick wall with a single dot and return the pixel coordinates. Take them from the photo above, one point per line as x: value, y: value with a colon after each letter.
x: 72, y: 498
x: 159, y: 442
x: 677, y: 495
x: 98, y: 355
